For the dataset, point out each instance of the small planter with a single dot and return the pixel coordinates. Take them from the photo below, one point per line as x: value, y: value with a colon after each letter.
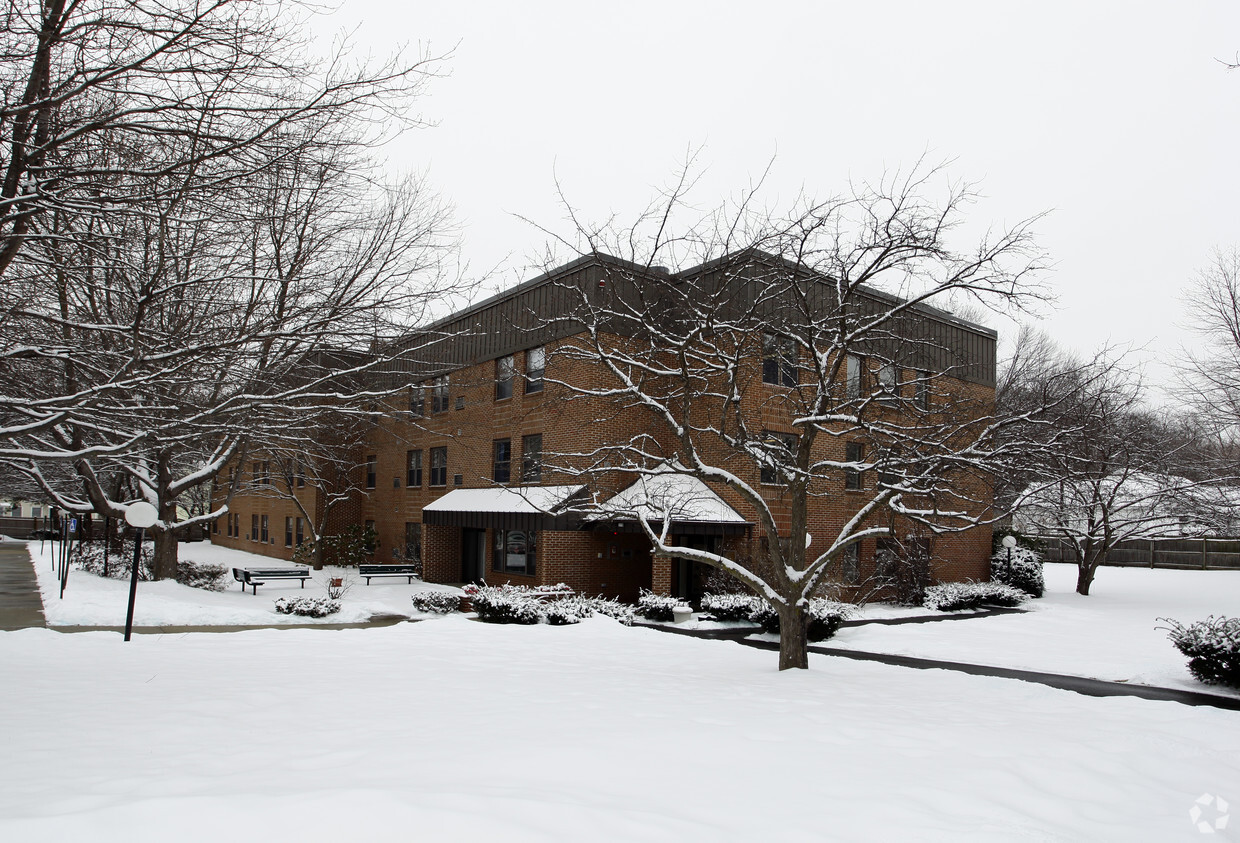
x: 682, y: 614
x: 337, y: 582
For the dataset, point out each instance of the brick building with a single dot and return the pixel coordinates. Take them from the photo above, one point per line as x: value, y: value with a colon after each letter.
x: 480, y: 466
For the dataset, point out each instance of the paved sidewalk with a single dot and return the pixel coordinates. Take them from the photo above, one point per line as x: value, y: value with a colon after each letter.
x: 21, y: 607
x: 1076, y: 684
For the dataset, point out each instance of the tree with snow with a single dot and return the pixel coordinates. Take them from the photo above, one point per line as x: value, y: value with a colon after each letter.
x: 795, y: 363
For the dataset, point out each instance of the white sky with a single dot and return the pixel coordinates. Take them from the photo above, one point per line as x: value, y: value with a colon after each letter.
x: 1117, y: 116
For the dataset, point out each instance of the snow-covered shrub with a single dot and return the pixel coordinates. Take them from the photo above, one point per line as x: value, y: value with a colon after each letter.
x: 89, y: 557
x: 955, y: 596
x: 558, y: 590
x: 906, y: 573
x: 731, y: 607
x: 721, y: 582
x: 1212, y: 647
x: 656, y: 607
x: 568, y: 610
x: 505, y: 604
x: 1024, y: 571
x: 202, y: 575
x: 825, y: 617
x: 310, y: 607
x: 612, y: 608
x: 436, y: 602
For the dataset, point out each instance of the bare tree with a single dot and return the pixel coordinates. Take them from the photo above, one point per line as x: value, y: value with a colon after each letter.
x: 1105, y: 469
x: 831, y: 307
x: 209, y: 253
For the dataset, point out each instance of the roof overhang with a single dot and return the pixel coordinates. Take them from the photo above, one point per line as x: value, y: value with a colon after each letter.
x: 505, y: 508
x: 689, y: 504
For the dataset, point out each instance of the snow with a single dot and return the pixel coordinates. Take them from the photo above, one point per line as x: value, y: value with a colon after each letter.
x: 455, y: 730
x: 1112, y: 634
x: 525, y: 499
x: 94, y: 601
x: 684, y: 498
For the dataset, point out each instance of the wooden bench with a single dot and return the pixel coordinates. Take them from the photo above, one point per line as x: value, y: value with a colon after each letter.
x: 254, y: 577
x: 407, y: 571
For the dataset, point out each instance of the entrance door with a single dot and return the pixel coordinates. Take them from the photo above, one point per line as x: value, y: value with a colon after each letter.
x: 686, y: 579
x: 473, y: 555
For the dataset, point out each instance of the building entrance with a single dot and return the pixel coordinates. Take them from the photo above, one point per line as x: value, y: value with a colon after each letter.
x: 473, y: 554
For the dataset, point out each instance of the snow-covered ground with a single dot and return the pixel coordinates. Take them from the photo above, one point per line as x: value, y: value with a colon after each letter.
x: 1111, y: 634
x: 456, y: 730
x: 94, y: 601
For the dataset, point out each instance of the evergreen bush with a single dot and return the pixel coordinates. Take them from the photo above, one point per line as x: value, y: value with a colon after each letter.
x: 311, y: 607
x: 656, y: 607
x: 436, y: 602
x: 1024, y: 571
x: 1212, y: 647
x: 956, y: 596
x: 825, y: 617
x: 731, y: 607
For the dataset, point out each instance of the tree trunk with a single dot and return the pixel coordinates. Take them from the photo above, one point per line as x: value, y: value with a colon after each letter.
x: 1085, y: 575
x: 164, y: 564
x: 793, y: 638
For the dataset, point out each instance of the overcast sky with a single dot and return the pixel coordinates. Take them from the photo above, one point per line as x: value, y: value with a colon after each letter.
x: 1117, y: 117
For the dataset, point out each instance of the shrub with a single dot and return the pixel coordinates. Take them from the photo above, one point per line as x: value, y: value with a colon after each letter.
x: 1024, y: 572
x: 88, y: 556
x: 612, y: 608
x: 906, y: 572
x: 311, y: 607
x: 731, y: 607
x: 350, y: 547
x: 567, y: 611
x: 825, y: 617
x: 656, y: 607
x: 505, y: 604
x: 1212, y: 647
x: 436, y: 602
x: 953, y: 597
x: 202, y: 575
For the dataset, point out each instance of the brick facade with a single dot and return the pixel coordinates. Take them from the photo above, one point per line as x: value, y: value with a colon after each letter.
x: 597, y: 561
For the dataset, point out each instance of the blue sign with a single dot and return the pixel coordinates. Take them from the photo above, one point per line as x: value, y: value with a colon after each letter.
x: 72, y: 525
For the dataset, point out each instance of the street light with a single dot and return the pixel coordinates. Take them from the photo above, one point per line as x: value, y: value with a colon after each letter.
x: 1009, y: 541
x: 140, y: 515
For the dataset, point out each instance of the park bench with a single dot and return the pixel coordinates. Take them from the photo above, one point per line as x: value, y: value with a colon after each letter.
x: 407, y: 571
x: 254, y: 577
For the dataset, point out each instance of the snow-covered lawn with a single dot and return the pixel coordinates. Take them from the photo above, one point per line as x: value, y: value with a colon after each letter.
x: 94, y: 601
x: 457, y: 730
x: 1109, y: 635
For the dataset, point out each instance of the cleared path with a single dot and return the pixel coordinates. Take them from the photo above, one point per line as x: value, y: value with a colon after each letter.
x: 21, y: 607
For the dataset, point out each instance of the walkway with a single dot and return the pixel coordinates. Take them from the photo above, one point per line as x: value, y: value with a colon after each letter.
x: 21, y: 607
x: 1077, y: 684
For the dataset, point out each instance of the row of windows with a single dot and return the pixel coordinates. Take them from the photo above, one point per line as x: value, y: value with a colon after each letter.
x: 780, y: 367
x: 505, y: 375
x: 501, y: 464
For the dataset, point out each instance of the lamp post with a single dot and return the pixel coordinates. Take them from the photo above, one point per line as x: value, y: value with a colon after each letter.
x: 140, y: 515
x: 1009, y: 541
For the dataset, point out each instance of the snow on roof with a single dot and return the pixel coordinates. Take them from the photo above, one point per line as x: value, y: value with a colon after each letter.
x: 682, y: 497
x: 525, y: 499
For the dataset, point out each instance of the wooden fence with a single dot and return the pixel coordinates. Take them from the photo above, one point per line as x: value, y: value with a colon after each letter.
x: 1202, y: 554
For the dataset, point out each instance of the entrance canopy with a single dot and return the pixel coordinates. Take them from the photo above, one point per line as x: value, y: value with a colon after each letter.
x: 686, y: 501
x: 505, y: 508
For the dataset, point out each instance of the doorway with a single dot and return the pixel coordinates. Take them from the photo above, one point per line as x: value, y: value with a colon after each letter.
x: 687, y: 575
x: 473, y: 554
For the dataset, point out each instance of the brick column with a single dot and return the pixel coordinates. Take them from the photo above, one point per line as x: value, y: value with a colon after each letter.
x: 661, y: 574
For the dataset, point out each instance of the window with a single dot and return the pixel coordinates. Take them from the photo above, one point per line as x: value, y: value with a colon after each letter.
x: 514, y: 552
x: 850, y: 565
x: 780, y: 448
x: 371, y: 470
x: 856, y: 376
x: 535, y: 365
x: 439, y: 466
x: 371, y: 538
x: 505, y: 367
x: 922, y: 394
x: 266, y: 535
x: 502, y: 462
x: 888, y: 388
x: 36, y: 512
x: 779, y: 360
x: 256, y: 474
x: 417, y: 402
x: 439, y: 394
x: 531, y: 458
x: 288, y: 531
x: 853, y: 452
x: 253, y: 528
x: 301, y: 532
x: 299, y: 471
x: 266, y: 473
x: 215, y: 526
x: 413, y: 542
x: 413, y: 469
